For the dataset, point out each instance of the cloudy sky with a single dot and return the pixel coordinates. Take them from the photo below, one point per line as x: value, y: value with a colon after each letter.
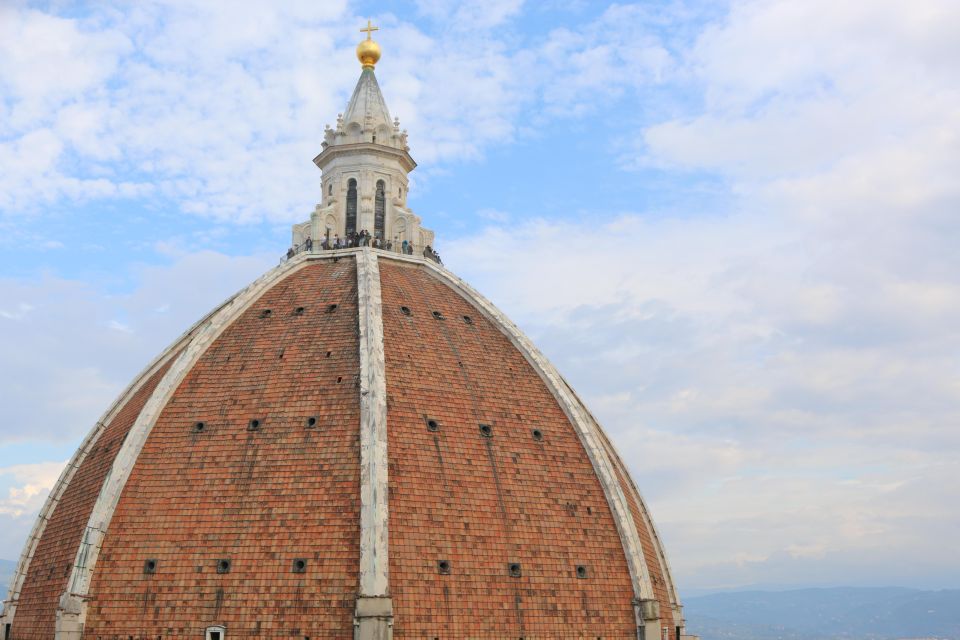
x: 733, y: 227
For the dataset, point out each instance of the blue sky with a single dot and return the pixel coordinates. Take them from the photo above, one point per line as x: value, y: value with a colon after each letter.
x: 731, y: 225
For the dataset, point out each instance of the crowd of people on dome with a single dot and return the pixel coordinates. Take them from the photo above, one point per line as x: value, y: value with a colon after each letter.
x: 363, y: 239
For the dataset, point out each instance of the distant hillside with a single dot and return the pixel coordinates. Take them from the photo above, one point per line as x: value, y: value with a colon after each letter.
x: 826, y: 614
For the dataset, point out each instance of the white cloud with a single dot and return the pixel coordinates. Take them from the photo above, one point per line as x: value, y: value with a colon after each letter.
x: 494, y: 215
x: 470, y: 14
x: 175, y: 100
x: 782, y: 379
x: 116, y: 325
x: 182, y: 93
x: 29, y: 486
x: 46, y: 60
x: 23, y: 490
x: 587, y: 68
x: 802, y: 87
x: 20, y: 312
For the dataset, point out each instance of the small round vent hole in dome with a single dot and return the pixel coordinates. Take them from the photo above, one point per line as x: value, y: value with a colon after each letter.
x: 150, y: 566
x: 198, y: 427
x: 438, y: 315
x: 223, y: 565
x: 406, y: 311
x: 331, y: 308
x: 581, y: 571
x: 311, y: 422
x: 514, y: 569
x: 486, y: 431
x: 443, y: 567
x: 298, y: 311
x: 432, y: 425
x: 299, y: 565
x: 537, y: 434
x: 253, y: 425
x: 266, y: 313
x: 468, y: 319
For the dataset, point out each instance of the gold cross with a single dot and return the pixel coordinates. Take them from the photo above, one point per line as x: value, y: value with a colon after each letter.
x: 370, y: 29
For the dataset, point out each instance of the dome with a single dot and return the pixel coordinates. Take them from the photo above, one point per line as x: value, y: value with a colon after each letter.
x: 356, y: 444
x: 353, y: 421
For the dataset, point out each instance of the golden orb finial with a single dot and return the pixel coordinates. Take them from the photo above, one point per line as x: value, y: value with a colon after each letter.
x: 368, y: 51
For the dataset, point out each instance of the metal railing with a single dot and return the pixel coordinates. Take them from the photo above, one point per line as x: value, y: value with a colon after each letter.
x: 425, y: 251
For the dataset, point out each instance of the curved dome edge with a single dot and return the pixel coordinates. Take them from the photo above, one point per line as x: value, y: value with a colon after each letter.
x: 674, y: 597
x: 76, y: 460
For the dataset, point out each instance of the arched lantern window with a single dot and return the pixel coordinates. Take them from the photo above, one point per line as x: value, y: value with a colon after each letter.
x: 380, y: 210
x: 351, y: 207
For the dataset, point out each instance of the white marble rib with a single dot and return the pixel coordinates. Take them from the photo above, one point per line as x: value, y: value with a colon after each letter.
x: 71, y: 614
x: 374, y: 565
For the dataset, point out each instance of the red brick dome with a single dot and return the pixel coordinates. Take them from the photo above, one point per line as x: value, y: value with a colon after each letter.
x: 357, y: 443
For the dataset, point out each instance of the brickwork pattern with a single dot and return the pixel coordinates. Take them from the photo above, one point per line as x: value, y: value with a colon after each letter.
x: 481, y: 503
x: 56, y: 551
x: 261, y: 498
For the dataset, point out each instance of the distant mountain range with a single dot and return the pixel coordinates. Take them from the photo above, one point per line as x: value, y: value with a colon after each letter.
x: 826, y: 614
